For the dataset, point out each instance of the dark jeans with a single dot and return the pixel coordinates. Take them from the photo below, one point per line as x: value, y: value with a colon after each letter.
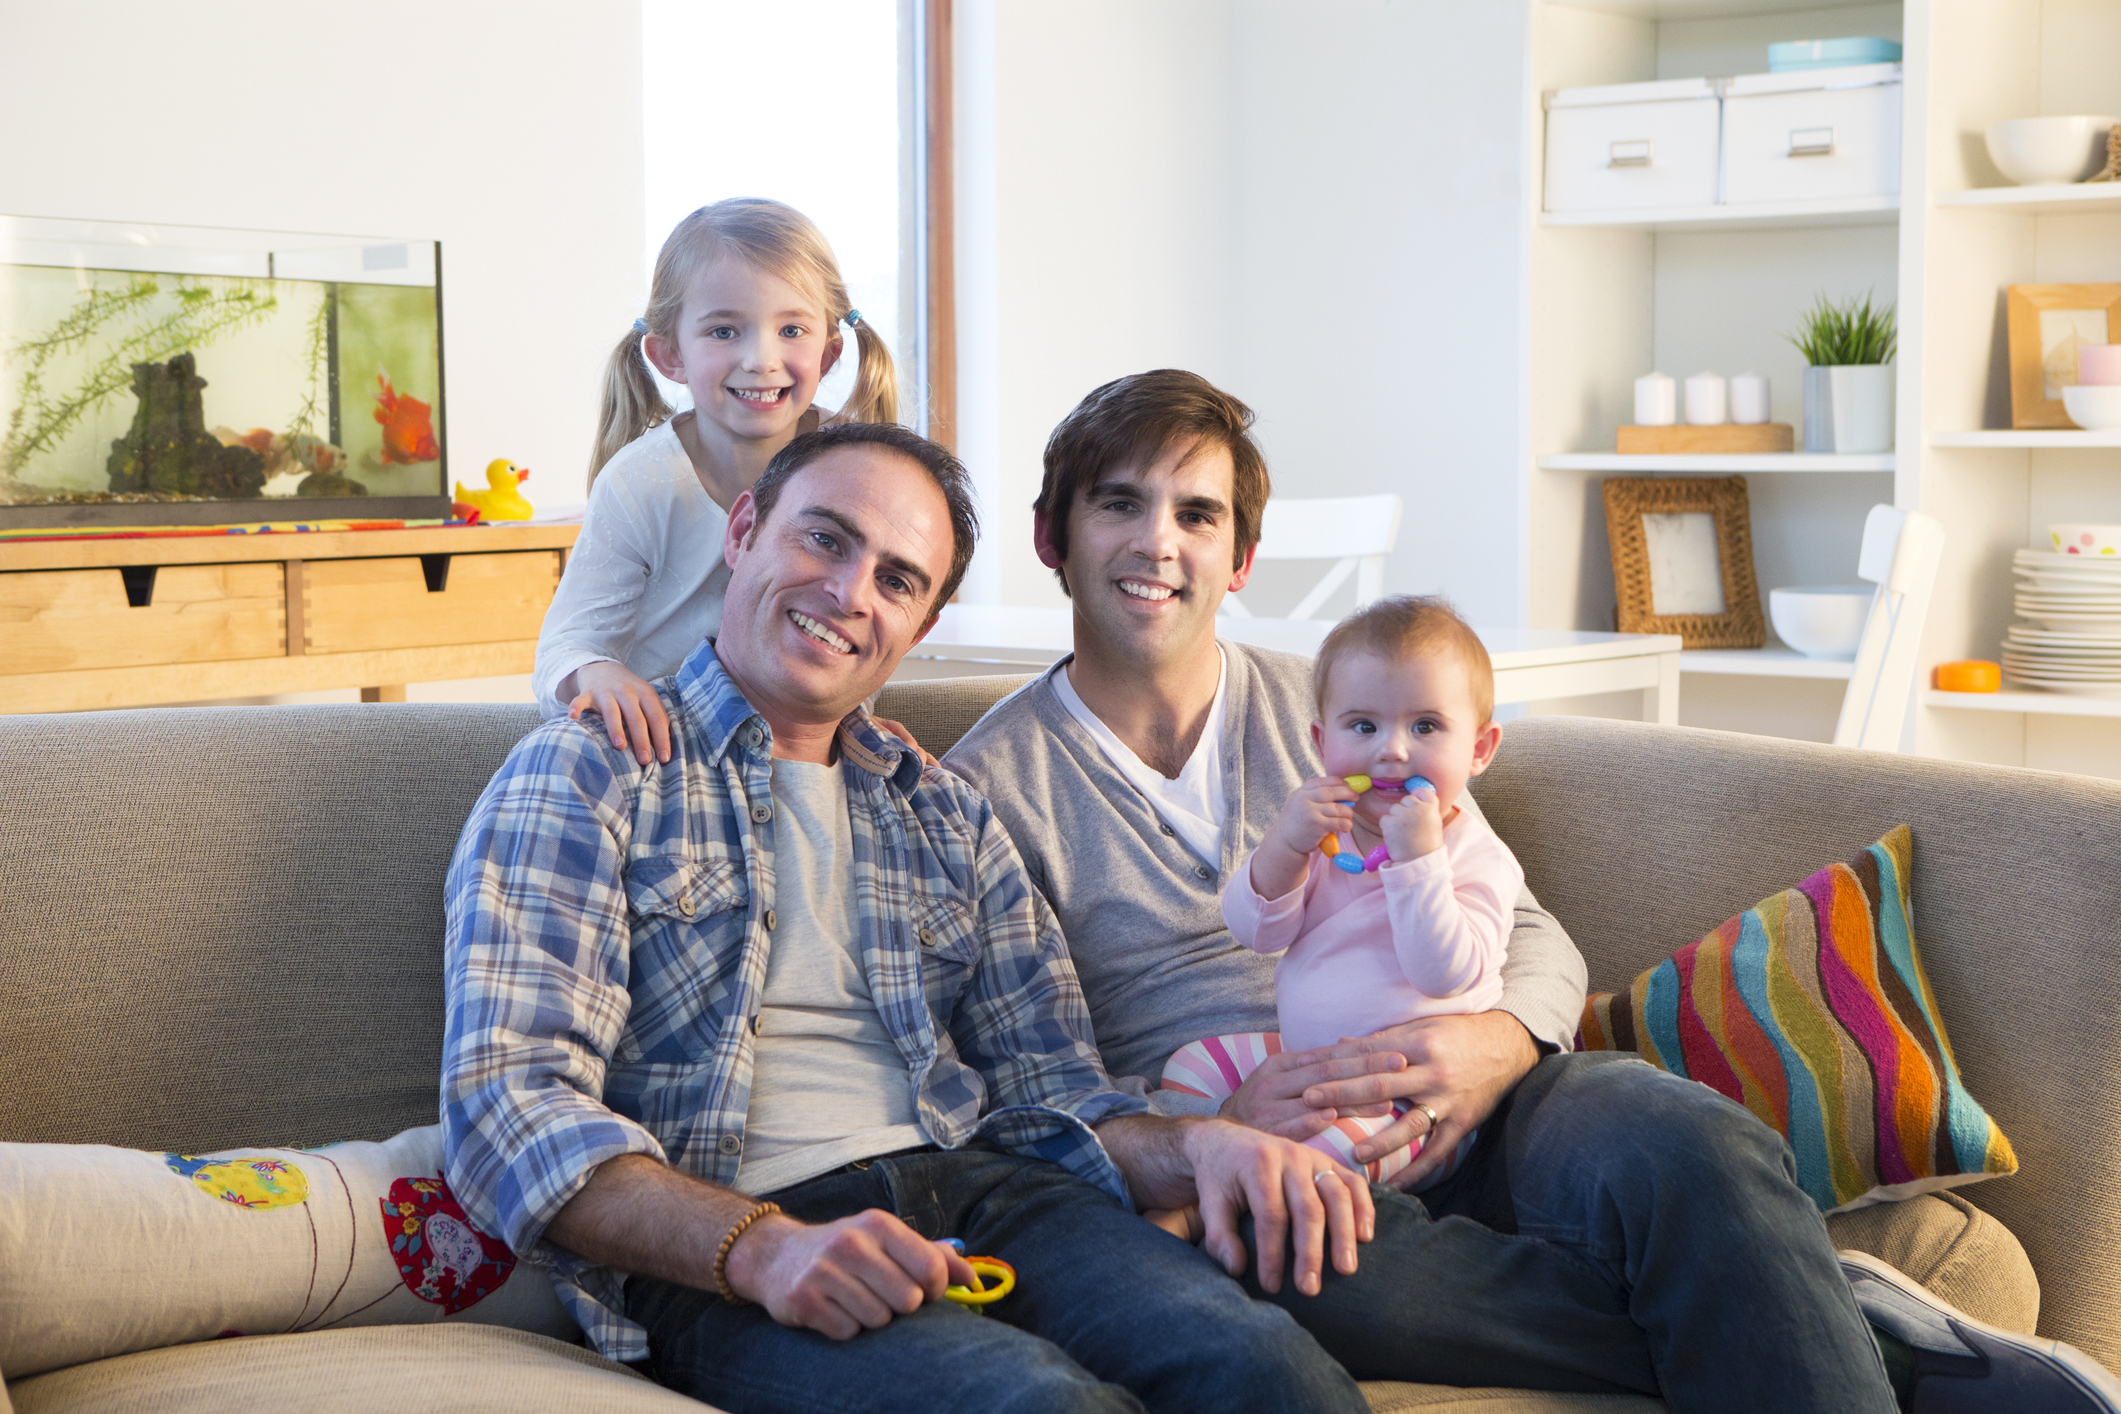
x: 1615, y: 1228
x: 1109, y: 1313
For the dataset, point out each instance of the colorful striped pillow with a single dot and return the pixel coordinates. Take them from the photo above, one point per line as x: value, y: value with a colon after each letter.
x: 1812, y: 1010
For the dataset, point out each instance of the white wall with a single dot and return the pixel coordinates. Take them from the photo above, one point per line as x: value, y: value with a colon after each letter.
x: 1094, y: 229
x: 512, y: 134
x: 1317, y: 207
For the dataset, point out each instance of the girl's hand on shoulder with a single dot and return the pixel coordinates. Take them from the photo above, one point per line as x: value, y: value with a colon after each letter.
x: 632, y: 711
x: 1414, y: 827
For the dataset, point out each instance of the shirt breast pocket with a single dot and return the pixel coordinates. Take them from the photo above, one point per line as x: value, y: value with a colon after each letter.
x: 947, y: 932
x: 683, y: 889
x: 688, y: 923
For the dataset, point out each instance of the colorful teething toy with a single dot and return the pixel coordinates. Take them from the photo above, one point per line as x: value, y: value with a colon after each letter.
x: 1347, y: 861
x: 1001, y: 1275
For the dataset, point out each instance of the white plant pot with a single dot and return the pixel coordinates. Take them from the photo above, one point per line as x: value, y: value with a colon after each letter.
x: 1849, y: 408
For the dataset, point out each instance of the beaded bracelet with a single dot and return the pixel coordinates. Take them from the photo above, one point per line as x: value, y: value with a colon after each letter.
x: 721, y: 1254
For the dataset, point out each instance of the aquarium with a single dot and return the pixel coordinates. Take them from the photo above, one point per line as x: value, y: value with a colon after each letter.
x: 181, y: 375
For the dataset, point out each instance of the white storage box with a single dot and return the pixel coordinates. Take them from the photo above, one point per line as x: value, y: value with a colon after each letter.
x: 1631, y: 146
x: 1812, y: 135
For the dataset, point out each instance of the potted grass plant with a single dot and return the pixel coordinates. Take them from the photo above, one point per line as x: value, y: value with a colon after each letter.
x: 1848, y: 385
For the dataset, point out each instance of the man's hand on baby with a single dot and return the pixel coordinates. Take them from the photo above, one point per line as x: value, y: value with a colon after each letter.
x: 1459, y: 1066
x: 1414, y: 827
x: 1272, y: 1097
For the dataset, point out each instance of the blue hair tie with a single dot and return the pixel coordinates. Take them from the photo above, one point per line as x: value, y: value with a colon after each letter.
x: 640, y: 326
x: 852, y: 318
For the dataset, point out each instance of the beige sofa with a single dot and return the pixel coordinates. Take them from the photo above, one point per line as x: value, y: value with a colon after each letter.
x: 222, y: 927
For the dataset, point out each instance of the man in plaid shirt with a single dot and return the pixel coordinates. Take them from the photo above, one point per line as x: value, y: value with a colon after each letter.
x: 736, y: 1040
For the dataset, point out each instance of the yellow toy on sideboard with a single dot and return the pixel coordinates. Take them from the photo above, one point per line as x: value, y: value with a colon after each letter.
x: 502, y: 501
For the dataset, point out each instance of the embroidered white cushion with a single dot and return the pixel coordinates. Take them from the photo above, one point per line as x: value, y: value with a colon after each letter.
x: 105, y: 1251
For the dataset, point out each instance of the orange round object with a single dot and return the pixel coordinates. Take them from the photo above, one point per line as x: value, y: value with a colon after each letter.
x: 1970, y: 675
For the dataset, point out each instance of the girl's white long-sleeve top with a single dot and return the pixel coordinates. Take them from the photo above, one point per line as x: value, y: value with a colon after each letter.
x: 645, y: 581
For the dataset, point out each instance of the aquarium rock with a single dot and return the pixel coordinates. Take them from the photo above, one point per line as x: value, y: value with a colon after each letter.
x: 168, y: 448
x: 330, y: 483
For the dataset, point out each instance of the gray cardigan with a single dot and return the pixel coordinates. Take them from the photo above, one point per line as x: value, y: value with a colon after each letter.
x: 1143, y: 915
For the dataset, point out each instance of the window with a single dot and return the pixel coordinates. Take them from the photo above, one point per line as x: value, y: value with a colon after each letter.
x: 825, y: 107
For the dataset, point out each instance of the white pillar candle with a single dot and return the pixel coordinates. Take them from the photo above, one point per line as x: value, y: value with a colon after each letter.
x: 1656, y: 400
x: 1705, y: 397
x: 1749, y: 398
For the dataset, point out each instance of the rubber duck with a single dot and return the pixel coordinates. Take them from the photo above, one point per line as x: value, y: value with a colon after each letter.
x: 503, y: 501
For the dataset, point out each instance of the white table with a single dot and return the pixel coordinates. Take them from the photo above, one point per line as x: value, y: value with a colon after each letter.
x: 1530, y: 664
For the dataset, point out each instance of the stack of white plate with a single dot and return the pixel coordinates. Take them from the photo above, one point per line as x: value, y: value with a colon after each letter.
x: 2072, y: 642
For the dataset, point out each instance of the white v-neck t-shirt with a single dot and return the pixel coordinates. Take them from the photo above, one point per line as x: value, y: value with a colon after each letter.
x: 1191, y: 804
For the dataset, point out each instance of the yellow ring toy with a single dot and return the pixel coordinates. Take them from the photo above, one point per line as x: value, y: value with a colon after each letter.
x: 999, y: 1272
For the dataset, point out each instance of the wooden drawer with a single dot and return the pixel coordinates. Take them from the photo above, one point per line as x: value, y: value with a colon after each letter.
x: 57, y: 620
x: 354, y: 606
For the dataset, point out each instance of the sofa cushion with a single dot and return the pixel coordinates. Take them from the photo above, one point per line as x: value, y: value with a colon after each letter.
x: 434, y: 1369
x: 222, y: 924
x: 1959, y: 1252
x: 1390, y: 1397
x: 1813, y: 1011
x: 940, y: 710
x: 106, y: 1251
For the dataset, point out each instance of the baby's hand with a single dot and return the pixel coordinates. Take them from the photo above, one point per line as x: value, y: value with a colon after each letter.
x: 1414, y: 827
x: 1321, y: 806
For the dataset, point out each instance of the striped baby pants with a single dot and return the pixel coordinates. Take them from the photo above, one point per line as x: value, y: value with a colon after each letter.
x: 1214, y: 1068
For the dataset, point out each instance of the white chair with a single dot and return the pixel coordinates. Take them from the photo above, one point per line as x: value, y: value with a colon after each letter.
x: 1901, y: 551
x: 1355, y: 532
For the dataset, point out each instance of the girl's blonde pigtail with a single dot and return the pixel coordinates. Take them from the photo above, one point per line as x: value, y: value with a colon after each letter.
x: 632, y: 402
x: 875, y: 395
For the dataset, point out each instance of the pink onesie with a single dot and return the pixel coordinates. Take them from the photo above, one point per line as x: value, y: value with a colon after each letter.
x: 1361, y: 952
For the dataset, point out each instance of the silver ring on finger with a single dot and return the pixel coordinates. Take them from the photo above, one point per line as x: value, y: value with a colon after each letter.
x: 1433, y: 1121
x: 1323, y: 1174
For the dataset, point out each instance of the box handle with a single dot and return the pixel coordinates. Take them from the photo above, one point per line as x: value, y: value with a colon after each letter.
x: 1628, y: 154
x: 1811, y: 142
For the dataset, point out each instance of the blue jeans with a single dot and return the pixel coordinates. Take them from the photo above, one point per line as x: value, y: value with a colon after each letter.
x: 1109, y: 1313
x: 1616, y: 1228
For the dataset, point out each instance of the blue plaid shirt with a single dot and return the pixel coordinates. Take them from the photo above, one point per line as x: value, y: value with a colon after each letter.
x: 606, y: 954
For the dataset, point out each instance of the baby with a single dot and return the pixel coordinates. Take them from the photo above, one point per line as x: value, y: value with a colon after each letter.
x: 1388, y: 899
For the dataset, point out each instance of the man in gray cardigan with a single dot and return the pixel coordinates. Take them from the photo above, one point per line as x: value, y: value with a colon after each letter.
x: 1610, y: 1227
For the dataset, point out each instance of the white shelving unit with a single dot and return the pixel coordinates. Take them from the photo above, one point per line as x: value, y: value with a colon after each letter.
x: 2054, y: 704
x: 2084, y: 199
x: 1613, y: 295
x: 1759, y: 216
x: 2058, y: 440
x: 1721, y: 464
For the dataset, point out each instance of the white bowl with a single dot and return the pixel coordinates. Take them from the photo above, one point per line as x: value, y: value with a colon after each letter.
x: 2094, y: 408
x: 2036, y: 151
x: 1822, y: 620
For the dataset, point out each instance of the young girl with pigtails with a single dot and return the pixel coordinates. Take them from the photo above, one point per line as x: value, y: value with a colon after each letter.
x: 746, y: 311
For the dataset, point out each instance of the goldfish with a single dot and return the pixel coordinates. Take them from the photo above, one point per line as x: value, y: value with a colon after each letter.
x: 408, y: 426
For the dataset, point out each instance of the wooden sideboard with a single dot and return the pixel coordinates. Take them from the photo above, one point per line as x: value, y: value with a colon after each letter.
x: 88, y: 624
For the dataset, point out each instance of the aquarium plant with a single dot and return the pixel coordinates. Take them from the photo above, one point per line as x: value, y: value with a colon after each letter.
x: 203, y: 314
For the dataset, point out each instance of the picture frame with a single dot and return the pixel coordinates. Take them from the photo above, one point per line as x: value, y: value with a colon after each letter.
x: 2046, y: 322
x: 1684, y: 546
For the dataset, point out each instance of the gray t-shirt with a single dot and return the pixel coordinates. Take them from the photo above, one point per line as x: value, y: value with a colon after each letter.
x: 1143, y: 914
x: 828, y: 1085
